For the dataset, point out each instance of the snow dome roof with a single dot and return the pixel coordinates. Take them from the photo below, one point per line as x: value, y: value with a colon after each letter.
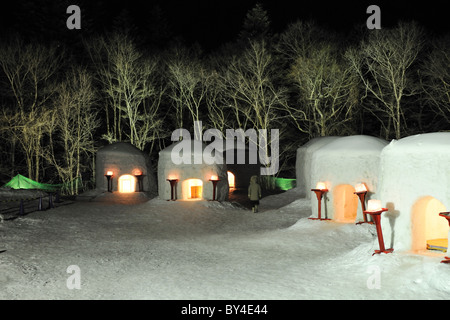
x: 436, y: 141
x: 357, y: 143
x: 120, y: 147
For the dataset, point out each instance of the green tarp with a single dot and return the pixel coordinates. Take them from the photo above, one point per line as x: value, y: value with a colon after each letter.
x: 21, y: 182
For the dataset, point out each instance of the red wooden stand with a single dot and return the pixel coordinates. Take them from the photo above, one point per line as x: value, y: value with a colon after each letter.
x: 361, y: 195
x: 319, y: 194
x: 214, y: 188
x: 173, y: 182
x: 376, y: 217
x: 446, y: 215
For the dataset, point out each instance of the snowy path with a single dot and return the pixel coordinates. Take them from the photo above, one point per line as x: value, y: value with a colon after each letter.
x: 206, y: 250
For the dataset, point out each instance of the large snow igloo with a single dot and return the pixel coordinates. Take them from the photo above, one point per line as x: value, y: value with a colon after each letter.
x: 193, y: 178
x: 415, y: 187
x: 303, y: 163
x: 342, y: 164
x: 242, y: 164
x: 130, y: 168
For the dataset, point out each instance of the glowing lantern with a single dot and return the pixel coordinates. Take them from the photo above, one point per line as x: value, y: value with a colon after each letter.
x: 320, y: 189
x: 374, y: 205
x: 321, y: 186
x: 360, y: 187
x: 109, y: 173
x: 214, y: 177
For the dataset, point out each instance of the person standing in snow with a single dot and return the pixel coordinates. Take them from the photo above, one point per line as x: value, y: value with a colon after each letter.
x: 254, y: 193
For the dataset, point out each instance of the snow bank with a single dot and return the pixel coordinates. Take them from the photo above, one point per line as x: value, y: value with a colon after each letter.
x: 414, y: 175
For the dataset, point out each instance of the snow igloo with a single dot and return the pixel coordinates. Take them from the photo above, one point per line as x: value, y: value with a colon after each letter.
x: 129, y: 169
x: 415, y: 188
x: 341, y: 164
x: 303, y: 163
x: 184, y: 163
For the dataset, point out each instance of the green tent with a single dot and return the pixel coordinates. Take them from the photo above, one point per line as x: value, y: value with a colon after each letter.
x: 21, y: 182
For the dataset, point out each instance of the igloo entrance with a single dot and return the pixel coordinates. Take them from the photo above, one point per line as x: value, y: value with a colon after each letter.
x: 231, y: 180
x: 192, y: 189
x: 126, y: 183
x: 345, y: 203
x: 429, y: 230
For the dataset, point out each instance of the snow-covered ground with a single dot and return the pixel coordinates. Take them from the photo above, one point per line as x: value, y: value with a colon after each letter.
x: 161, y: 249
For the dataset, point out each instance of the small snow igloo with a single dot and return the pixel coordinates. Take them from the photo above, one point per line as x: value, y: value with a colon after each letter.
x: 130, y: 169
x: 184, y: 164
x: 415, y: 187
x: 341, y: 165
x: 303, y: 163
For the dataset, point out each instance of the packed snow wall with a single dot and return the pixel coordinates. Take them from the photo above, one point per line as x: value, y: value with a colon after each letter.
x: 184, y: 161
x: 342, y: 164
x: 415, y: 187
x: 130, y: 168
x: 303, y: 163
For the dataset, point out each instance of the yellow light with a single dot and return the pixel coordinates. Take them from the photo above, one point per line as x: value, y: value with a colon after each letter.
x: 231, y: 179
x: 360, y: 187
x: 374, y: 205
x: 109, y: 173
x: 127, y: 183
x: 321, y: 185
x: 214, y: 177
x: 172, y: 177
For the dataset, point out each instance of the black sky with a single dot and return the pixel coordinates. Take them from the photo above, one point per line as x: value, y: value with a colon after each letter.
x: 212, y: 23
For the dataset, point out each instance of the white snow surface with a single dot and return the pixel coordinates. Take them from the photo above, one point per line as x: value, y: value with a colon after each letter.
x: 130, y: 247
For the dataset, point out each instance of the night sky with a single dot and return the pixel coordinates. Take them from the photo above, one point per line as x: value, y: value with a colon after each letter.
x: 211, y: 23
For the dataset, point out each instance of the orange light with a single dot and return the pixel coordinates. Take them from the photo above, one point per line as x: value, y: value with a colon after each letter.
x: 231, y: 179
x: 321, y: 186
x: 127, y: 183
x: 214, y: 177
x: 137, y: 172
x: 109, y: 173
x: 374, y: 205
x: 172, y: 177
x: 360, y: 187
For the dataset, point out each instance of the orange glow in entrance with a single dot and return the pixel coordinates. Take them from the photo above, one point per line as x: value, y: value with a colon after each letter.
x: 427, y: 225
x: 192, y: 189
x: 345, y: 203
x: 127, y: 183
x: 231, y: 179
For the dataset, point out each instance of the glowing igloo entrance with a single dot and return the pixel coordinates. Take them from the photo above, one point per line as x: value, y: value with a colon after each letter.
x: 345, y: 203
x: 127, y: 183
x: 192, y: 189
x: 429, y: 230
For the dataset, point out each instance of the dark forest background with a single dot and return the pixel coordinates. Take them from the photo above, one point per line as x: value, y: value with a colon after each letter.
x: 129, y: 75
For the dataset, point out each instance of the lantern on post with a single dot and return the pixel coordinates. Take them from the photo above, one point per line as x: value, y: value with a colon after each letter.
x: 214, y: 179
x: 374, y: 209
x: 320, y: 191
x: 446, y: 215
x: 109, y: 177
x: 139, y: 177
x: 173, y: 181
x: 361, y: 192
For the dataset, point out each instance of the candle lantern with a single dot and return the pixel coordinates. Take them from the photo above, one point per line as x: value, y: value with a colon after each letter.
x: 214, y: 179
x: 320, y: 191
x: 109, y: 178
x: 173, y: 182
x: 361, y: 192
x: 374, y: 209
x: 446, y: 215
x: 139, y: 177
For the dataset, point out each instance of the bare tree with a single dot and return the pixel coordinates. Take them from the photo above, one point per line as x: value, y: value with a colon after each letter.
x: 71, y: 129
x: 384, y: 64
x: 189, y: 81
x: 130, y: 81
x: 436, y: 82
x: 28, y: 70
x: 326, y: 90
